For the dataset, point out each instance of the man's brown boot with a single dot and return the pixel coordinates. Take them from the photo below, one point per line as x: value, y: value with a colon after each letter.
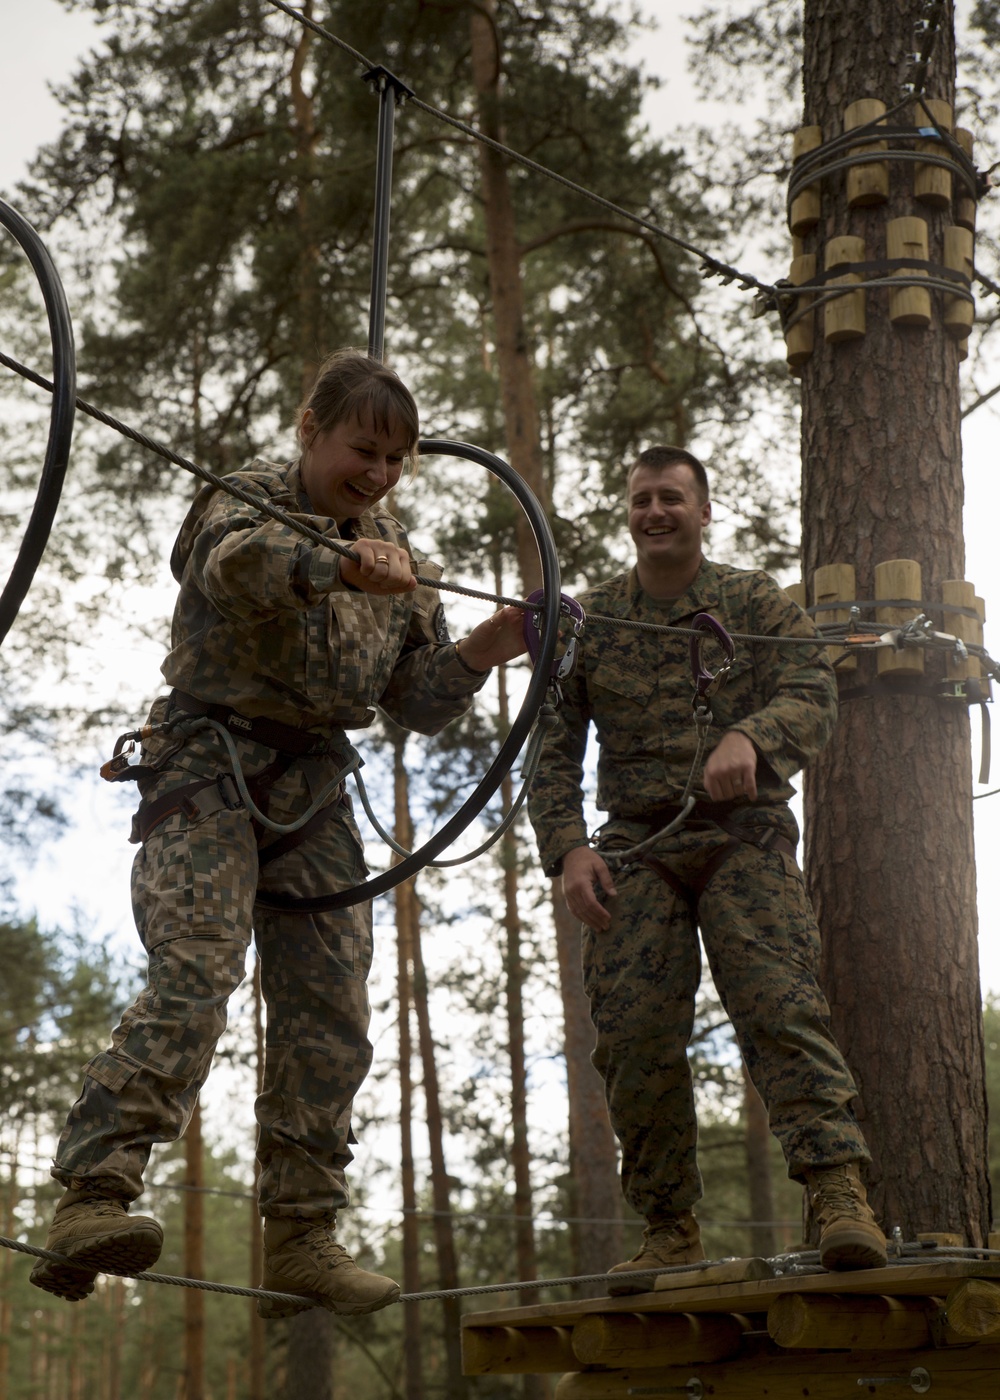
x: 96, y: 1235
x: 673, y: 1240
x: 849, y: 1235
x: 301, y: 1256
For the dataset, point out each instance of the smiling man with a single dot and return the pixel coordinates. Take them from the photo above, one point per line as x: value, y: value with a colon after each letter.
x: 729, y: 870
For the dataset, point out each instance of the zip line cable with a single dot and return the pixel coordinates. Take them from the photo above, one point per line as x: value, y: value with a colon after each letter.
x: 795, y: 1265
x: 291, y: 522
x: 224, y: 483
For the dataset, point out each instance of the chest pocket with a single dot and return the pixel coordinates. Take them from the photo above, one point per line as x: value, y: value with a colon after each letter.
x: 620, y: 701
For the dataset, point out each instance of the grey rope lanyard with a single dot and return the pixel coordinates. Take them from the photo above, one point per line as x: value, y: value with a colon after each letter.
x: 707, y: 684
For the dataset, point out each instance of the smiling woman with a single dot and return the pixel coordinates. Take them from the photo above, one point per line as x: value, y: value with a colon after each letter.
x: 278, y: 644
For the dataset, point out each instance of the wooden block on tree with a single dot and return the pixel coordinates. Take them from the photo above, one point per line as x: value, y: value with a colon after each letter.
x: 844, y: 1323
x: 657, y: 1339
x: 511, y: 1351
x: 907, y: 238
x: 805, y: 211
x: 932, y: 183
x: 844, y: 316
x: 973, y: 1309
x: 900, y: 579
x: 869, y: 183
x: 950, y: 1239
x: 965, y: 202
x: 833, y: 583
x: 797, y: 593
x: 800, y: 337
x: 959, y: 313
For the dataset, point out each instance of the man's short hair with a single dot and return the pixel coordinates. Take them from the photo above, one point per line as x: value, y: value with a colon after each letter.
x: 657, y: 458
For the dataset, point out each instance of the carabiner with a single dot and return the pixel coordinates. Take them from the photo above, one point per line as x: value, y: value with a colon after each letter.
x: 707, y: 683
x: 562, y: 666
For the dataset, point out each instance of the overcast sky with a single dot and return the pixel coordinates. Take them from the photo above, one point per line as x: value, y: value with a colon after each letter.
x: 41, y: 43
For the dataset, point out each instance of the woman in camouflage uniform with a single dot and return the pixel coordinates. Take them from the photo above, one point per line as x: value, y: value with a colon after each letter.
x: 281, y: 644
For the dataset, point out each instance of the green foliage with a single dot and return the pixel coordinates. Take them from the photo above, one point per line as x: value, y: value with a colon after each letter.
x: 58, y: 995
x: 991, y: 1038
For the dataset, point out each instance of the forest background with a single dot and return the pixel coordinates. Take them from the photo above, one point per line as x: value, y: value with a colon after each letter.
x: 84, y: 660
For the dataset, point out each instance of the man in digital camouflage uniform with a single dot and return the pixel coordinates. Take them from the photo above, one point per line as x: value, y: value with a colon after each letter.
x: 730, y: 869
x: 284, y: 643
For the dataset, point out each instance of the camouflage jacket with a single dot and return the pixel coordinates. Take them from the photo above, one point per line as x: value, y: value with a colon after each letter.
x: 264, y: 625
x: 637, y: 689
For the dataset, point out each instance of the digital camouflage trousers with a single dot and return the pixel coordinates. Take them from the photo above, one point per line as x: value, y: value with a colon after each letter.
x: 194, y: 886
x: 642, y: 975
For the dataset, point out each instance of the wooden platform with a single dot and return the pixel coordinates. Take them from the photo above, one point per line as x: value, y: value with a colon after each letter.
x: 740, y: 1329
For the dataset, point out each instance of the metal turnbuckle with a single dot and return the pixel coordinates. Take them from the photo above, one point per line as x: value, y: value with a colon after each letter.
x: 918, y: 1380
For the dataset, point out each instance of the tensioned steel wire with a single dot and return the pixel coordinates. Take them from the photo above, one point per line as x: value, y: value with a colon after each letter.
x: 268, y: 508
x: 291, y: 522
x: 796, y: 1265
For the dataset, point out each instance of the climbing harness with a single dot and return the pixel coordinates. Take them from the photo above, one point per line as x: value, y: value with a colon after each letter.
x: 707, y: 684
x: 204, y: 796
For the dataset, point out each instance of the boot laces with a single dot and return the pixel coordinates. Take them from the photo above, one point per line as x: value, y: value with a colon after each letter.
x: 837, y: 1195
x: 105, y: 1208
x: 326, y: 1250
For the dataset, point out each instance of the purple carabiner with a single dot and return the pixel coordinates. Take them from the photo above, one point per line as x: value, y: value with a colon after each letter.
x: 706, y: 683
x: 568, y: 607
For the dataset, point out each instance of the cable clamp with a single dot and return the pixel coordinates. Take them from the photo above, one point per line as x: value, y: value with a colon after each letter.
x: 380, y: 77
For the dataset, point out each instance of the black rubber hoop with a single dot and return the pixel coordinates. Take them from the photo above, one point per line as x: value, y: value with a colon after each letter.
x: 50, y: 483
x: 511, y: 746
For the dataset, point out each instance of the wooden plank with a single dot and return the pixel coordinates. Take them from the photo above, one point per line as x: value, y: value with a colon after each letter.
x: 829, y: 1321
x: 973, y: 1309
x: 516, y: 1351
x: 632, y: 1339
x: 968, y: 1373
x: 906, y: 1280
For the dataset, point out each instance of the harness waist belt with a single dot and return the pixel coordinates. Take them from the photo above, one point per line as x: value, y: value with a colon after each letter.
x: 657, y: 817
x: 270, y: 732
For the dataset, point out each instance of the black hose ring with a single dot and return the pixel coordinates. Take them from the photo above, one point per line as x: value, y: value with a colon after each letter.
x: 50, y: 482
x: 525, y: 718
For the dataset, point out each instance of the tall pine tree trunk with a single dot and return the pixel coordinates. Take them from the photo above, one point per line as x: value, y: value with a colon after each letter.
x: 6, y: 1270
x: 760, y: 1185
x: 312, y: 1340
x: 456, y: 1387
x: 406, y: 914
x: 194, y: 1260
x: 257, y: 1360
x: 595, y: 1198
x: 514, y: 363
x: 592, y: 1145
x: 306, y: 140
x: 524, y: 1234
x: 888, y: 804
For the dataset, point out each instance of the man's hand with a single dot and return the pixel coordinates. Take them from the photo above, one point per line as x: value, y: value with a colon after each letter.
x: 731, y: 770
x: 583, y: 868
x: 499, y: 638
x: 381, y: 568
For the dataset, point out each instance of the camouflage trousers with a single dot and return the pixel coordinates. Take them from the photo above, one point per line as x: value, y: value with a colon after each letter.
x: 193, y: 892
x: 641, y: 975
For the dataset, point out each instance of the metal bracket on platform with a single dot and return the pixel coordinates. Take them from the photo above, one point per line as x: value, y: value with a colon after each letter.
x: 918, y: 1380
x: 694, y: 1389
